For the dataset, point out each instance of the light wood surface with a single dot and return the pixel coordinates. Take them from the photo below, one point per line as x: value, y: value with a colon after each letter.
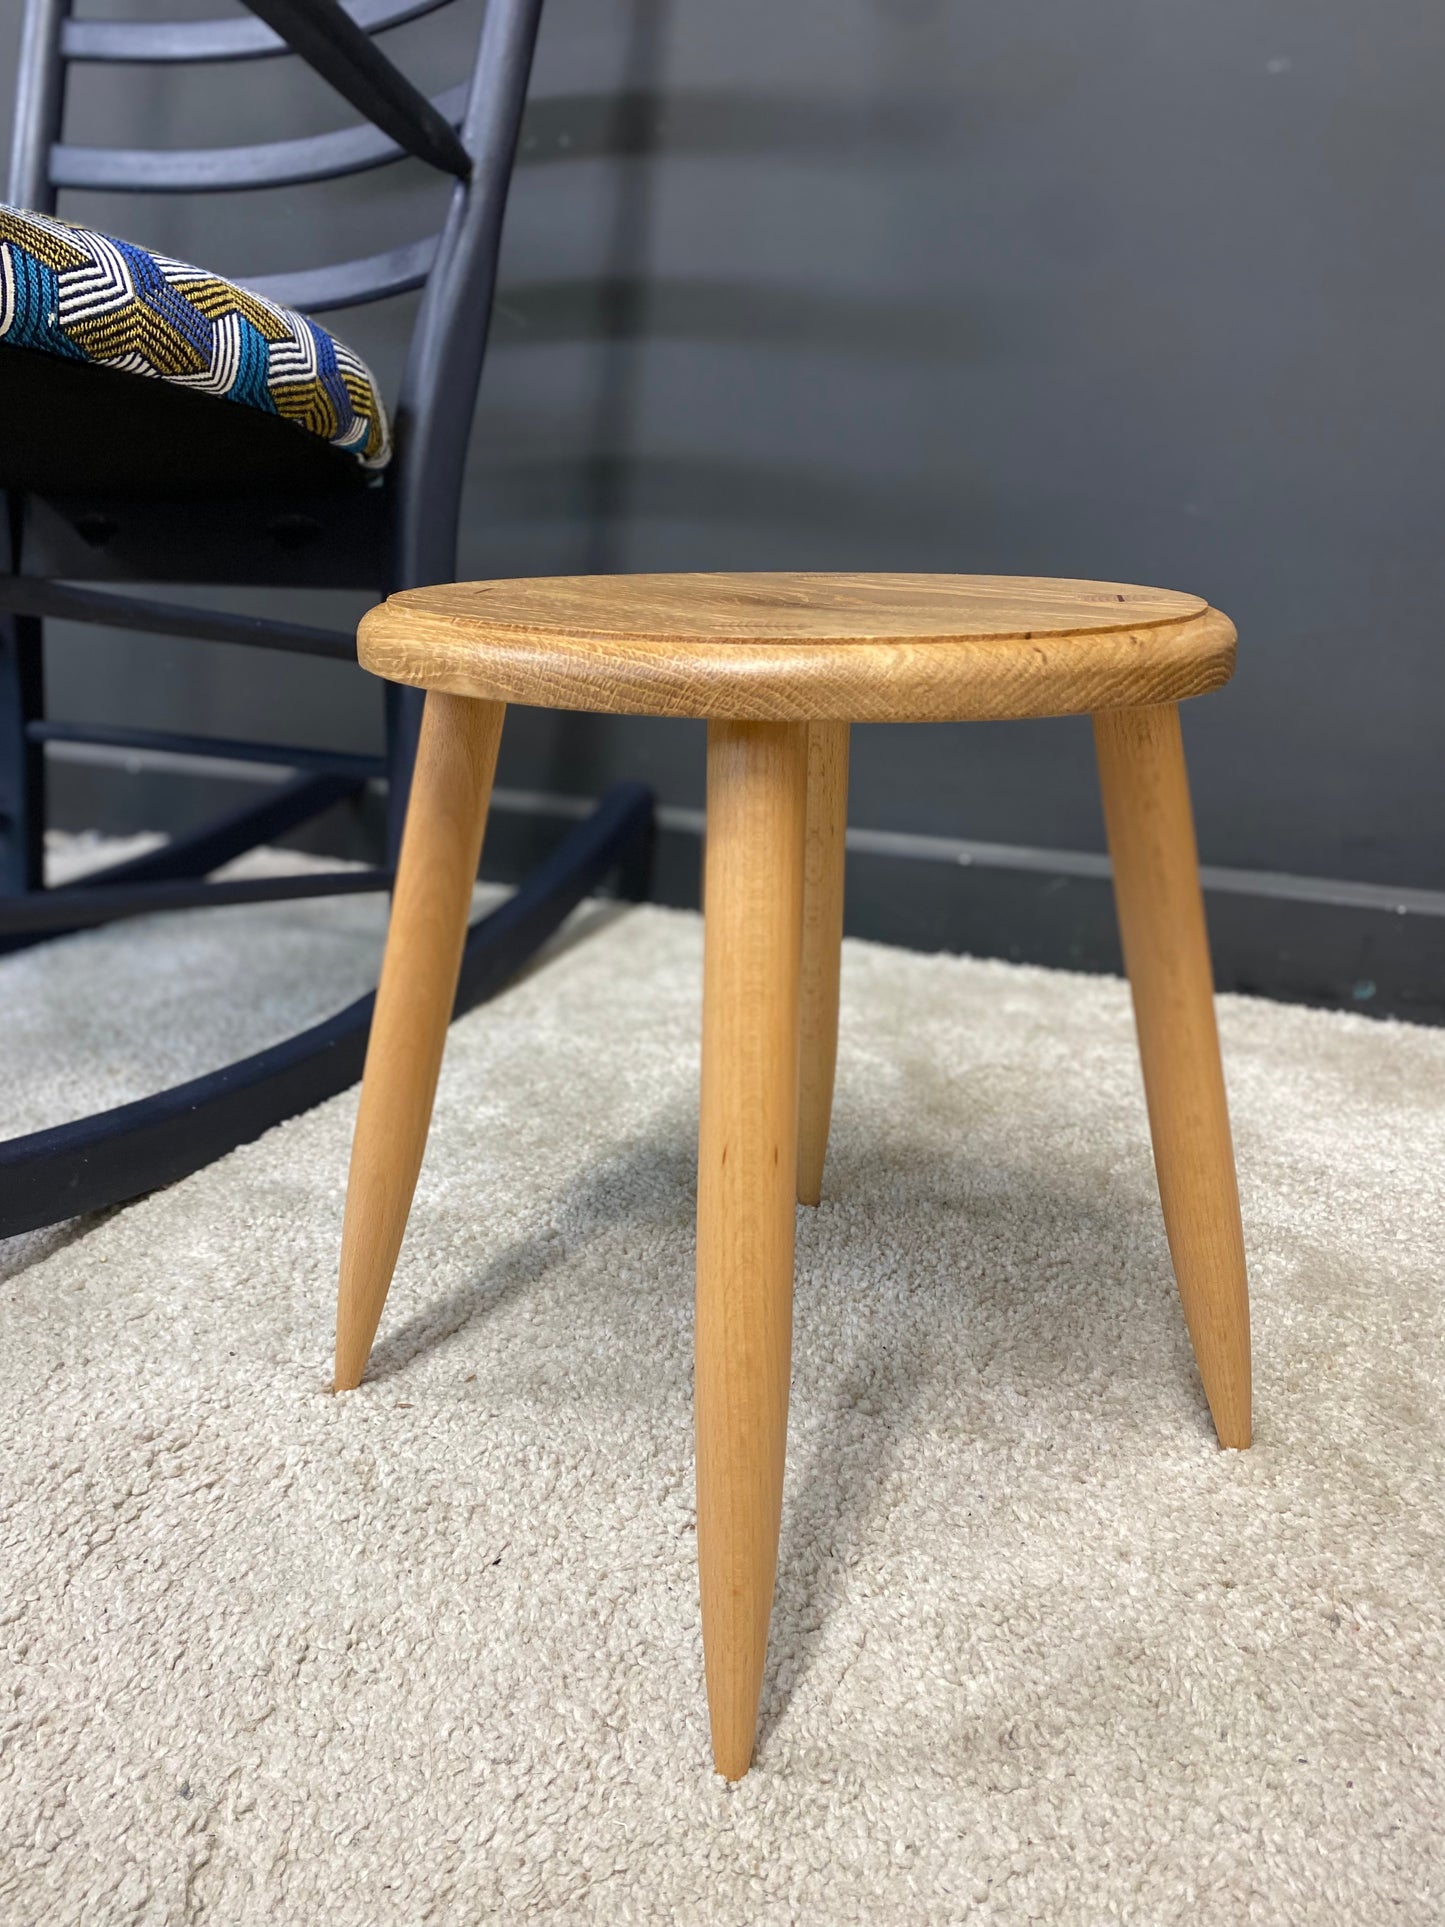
x: 853, y: 648
x: 1166, y: 950
x: 757, y: 787
x: 822, y: 949
x: 441, y: 848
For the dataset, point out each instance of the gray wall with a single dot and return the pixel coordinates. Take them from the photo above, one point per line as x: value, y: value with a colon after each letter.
x: 1143, y: 290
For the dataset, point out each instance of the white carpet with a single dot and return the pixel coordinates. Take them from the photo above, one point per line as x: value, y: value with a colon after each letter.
x: 429, y: 1652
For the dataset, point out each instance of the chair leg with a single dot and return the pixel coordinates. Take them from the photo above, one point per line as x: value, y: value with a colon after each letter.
x: 440, y: 850
x: 22, y: 762
x: 1166, y: 950
x: 757, y: 824
x: 822, y: 949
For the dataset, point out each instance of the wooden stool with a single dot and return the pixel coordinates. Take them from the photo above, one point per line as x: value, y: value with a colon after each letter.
x: 780, y: 665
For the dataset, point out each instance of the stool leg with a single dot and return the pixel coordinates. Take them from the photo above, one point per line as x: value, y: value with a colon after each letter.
x: 440, y: 850
x: 1166, y: 951
x: 822, y: 949
x: 757, y: 781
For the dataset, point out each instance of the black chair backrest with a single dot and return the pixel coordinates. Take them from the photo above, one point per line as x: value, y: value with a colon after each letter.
x: 455, y: 266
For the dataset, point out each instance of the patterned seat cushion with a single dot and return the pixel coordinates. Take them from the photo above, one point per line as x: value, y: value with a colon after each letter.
x: 87, y: 297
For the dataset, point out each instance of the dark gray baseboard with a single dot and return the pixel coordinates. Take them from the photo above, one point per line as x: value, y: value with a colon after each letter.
x: 1341, y: 945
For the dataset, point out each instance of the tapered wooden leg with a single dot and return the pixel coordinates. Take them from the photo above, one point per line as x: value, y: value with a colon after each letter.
x: 747, y: 1152
x: 1166, y: 950
x: 440, y: 850
x: 822, y: 949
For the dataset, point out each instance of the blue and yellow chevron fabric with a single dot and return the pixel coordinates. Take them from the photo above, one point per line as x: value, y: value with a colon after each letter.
x: 70, y: 291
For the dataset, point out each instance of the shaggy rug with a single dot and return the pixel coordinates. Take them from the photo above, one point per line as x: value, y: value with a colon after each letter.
x: 429, y: 1651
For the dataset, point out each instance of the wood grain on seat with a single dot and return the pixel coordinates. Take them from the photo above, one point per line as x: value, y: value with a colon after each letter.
x: 804, y: 647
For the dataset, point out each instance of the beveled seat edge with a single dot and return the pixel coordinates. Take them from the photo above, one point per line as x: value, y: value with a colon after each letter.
x: 969, y: 679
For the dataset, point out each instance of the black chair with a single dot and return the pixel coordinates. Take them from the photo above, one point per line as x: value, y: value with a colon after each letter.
x: 110, y: 477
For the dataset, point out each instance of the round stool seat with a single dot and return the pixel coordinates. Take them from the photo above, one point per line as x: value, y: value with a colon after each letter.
x: 804, y: 647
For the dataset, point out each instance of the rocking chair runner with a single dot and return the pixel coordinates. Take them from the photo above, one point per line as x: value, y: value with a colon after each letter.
x: 107, y: 476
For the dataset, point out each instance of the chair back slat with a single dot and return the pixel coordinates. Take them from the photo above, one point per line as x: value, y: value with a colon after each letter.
x: 326, y: 37
x: 147, y: 42
x: 349, y: 284
x: 208, y: 170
